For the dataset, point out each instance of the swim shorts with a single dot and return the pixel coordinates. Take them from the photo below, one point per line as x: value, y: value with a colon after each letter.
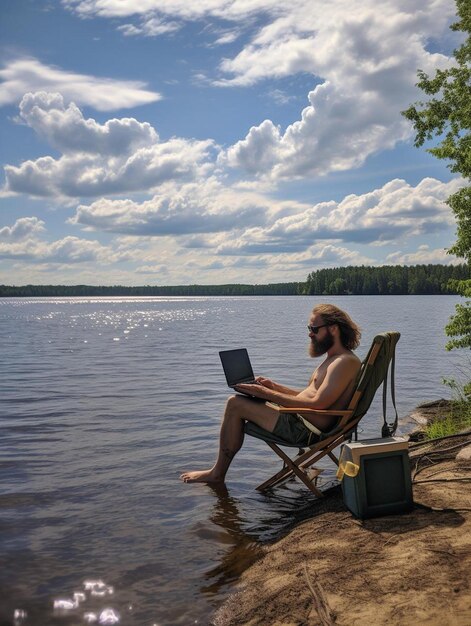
x: 291, y: 428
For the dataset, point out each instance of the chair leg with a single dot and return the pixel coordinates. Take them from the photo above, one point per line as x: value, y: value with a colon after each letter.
x: 300, y: 473
x: 302, y: 461
x: 333, y: 457
x: 314, y: 454
x: 287, y: 473
x: 283, y: 474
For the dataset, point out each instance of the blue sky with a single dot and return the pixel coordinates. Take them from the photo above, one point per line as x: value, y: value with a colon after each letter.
x: 218, y: 141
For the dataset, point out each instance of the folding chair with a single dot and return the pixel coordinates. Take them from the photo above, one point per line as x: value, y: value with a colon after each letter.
x: 373, y: 372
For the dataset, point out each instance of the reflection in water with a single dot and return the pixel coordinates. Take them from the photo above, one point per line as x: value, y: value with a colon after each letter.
x: 244, y: 551
x: 287, y: 510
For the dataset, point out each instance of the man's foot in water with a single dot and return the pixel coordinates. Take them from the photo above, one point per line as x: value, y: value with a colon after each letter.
x: 204, y: 476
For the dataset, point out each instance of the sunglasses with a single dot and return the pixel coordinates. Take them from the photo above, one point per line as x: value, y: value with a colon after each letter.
x: 315, y: 329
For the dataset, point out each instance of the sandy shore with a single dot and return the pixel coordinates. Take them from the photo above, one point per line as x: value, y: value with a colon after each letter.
x: 403, y: 569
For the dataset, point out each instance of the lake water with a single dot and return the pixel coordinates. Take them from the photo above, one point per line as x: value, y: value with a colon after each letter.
x: 104, y: 401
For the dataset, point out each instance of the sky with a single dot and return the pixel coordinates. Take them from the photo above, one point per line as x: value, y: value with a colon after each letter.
x: 167, y: 142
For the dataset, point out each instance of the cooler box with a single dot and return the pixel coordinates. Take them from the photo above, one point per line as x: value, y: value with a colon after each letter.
x: 382, y: 484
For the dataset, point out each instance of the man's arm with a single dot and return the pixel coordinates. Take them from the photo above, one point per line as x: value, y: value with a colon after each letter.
x: 271, y: 384
x: 339, y: 375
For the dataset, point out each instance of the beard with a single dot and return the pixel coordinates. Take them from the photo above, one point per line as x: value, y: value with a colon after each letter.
x: 318, y: 347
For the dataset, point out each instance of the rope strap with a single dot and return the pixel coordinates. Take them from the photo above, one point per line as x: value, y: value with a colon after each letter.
x: 388, y: 430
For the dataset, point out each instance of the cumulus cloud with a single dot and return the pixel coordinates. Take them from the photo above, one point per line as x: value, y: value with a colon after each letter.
x: 22, y: 241
x: 122, y: 155
x: 23, y: 228
x: 226, y: 223
x: 66, y: 129
x: 325, y: 254
x: 292, y: 266
x: 423, y: 255
x: 104, y: 94
x: 346, y: 121
x: 202, y: 207
x: 258, y: 152
x: 69, y: 250
x: 363, y: 63
x: 396, y: 210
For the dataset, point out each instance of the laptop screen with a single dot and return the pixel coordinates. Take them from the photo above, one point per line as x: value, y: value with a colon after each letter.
x: 236, y: 365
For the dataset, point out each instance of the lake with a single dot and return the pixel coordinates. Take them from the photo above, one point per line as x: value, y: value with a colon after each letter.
x: 104, y: 401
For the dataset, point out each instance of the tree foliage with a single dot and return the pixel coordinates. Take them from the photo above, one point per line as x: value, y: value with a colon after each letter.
x: 32, y: 291
x: 387, y: 280
x: 447, y: 114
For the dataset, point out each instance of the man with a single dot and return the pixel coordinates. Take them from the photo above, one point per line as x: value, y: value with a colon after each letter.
x: 333, y: 333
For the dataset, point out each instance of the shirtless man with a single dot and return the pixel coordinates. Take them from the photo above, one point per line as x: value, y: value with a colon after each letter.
x: 333, y: 333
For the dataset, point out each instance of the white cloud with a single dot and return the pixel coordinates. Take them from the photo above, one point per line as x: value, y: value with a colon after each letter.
x: 423, y: 255
x: 395, y: 211
x: 363, y: 66
x: 201, y: 207
x: 64, y: 251
x: 23, y: 228
x: 228, y: 9
x: 161, y: 270
x: 258, y: 152
x: 24, y: 75
x: 229, y: 222
x: 325, y: 254
x: 274, y: 268
x: 280, y: 97
x: 151, y: 27
x: 365, y: 62
x: 227, y: 37
x: 352, y: 114
x: 22, y: 242
x: 66, y: 129
x: 210, y: 268
x: 337, y: 131
x: 329, y: 40
x: 122, y: 155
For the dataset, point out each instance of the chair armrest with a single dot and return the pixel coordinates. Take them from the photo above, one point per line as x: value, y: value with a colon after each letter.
x: 307, y: 411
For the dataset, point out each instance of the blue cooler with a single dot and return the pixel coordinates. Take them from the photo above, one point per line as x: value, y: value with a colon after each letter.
x: 376, y: 477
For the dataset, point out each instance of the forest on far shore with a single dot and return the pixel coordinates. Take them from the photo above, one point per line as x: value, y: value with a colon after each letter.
x: 352, y: 280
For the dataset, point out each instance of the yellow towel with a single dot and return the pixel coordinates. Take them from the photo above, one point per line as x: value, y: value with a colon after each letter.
x: 348, y: 468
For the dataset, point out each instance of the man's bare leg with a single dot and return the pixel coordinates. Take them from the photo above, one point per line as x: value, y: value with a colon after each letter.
x: 238, y: 410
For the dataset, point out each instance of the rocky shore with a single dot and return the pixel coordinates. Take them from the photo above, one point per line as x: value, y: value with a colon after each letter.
x: 426, y: 413
x: 394, y: 570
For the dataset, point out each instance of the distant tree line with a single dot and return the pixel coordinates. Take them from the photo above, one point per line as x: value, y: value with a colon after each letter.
x: 32, y: 291
x: 339, y: 281
x: 385, y: 280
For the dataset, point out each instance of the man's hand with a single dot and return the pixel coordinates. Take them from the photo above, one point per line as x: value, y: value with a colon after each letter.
x: 265, y: 382
x: 255, y: 389
x: 271, y: 384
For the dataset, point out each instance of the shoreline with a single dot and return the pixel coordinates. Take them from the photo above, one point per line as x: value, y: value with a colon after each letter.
x: 397, y: 569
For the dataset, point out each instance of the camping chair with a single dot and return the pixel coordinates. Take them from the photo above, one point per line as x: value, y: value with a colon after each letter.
x: 373, y: 372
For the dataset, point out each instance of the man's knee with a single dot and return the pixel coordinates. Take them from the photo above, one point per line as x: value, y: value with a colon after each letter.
x: 234, y: 405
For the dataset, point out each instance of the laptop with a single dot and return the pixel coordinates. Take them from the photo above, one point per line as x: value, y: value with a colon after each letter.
x: 237, y: 367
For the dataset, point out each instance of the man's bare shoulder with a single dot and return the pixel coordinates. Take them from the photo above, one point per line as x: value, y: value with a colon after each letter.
x: 345, y: 361
x: 345, y: 357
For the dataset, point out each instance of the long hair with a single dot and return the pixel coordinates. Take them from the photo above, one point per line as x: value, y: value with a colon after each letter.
x: 350, y: 332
